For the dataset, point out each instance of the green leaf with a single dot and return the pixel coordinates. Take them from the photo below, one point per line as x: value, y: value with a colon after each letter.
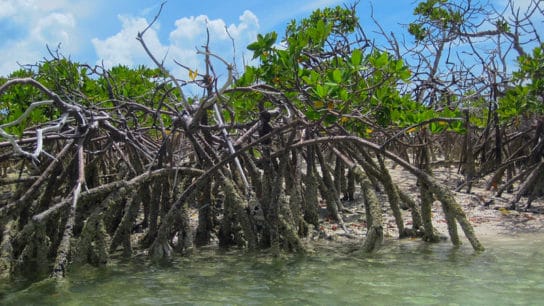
x: 436, y: 127
x: 343, y: 94
x: 312, y: 114
x: 320, y: 27
x: 337, y: 76
x: 405, y: 74
x: 383, y: 116
x: 270, y: 40
x: 381, y: 61
x: 330, y: 119
x: 356, y: 57
x: 254, y: 46
x: 457, y: 126
x: 320, y: 91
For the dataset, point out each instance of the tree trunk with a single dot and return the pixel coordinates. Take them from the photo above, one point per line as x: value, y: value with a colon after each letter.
x: 123, y: 232
x: 311, y: 214
x: 205, y: 216
x: 374, y: 237
x: 393, y: 197
x: 327, y: 189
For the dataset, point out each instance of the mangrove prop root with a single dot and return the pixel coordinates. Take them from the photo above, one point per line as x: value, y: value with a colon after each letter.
x: 6, y: 249
x: 123, y: 231
x: 530, y: 183
x: 61, y: 261
x: 240, y: 213
x: 427, y: 200
x: 91, y: 244
x: 374, y: 236
x: 443, y: 194
x: 414, y: 209
x: 23, y: 201
x: 287, y: 226
x: 205, y: 216
x: 310, y: 191
x: 327, y: 189
x: 393, y: 196
x: 184, y: 243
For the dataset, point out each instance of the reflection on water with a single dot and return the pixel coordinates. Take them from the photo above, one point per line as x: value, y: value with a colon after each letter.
x: 406, y: 272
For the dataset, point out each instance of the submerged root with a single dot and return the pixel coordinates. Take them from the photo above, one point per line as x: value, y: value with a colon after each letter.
x: 427, y: 199
x: 91, y: 246
x: 160, y: 250
x: 239, y: 216
x: 123, y: 231
x: 287, y: 227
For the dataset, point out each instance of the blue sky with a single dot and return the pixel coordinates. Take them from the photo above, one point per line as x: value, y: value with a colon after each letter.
x: 101, y: 31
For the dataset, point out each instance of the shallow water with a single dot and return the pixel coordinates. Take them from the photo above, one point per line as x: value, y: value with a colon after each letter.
x: 509, y: 272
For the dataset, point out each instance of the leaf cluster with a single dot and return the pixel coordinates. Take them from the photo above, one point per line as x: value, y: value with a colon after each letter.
x: 440, y: 14
x: 333, y: 78
x: 527, y: 96
x: 95, y: 88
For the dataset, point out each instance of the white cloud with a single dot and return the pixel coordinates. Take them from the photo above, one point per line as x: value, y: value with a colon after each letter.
x: 189, y: 27
x: 193, y: 28
x: 30, y: 25
x: 55, y: 27
x: 247, y: 29
x: 123, y: 48
x: 188, y: 35
x: 7, y: 9
x: 18, y: 52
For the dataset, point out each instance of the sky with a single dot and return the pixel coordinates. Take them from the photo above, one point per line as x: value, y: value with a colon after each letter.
x: 104, y: 31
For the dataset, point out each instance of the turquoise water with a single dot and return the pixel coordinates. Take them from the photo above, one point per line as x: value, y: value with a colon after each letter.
x: 509, y: 272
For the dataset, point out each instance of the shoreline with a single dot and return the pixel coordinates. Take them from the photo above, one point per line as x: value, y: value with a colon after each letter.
x: 486, y: 212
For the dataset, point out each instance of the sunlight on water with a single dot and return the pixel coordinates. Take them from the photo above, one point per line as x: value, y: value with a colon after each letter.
x: 406, y: 272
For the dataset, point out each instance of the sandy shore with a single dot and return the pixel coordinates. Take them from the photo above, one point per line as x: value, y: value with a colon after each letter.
x: 486, y: 212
